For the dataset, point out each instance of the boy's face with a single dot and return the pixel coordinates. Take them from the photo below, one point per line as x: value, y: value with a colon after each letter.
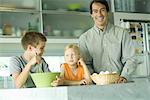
x: 71, y: 57
x: 39, y: 49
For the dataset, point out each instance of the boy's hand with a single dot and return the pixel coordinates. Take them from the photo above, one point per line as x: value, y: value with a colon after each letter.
x: 35, y: 60
x: 38, y: 59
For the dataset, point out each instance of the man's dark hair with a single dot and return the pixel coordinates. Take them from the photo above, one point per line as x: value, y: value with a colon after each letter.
x: 104, y: 2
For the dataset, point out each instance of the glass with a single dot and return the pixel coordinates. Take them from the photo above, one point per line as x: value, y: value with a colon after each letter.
x: 79, y: 5
x: 61, y: 18
x: 18, y: 23
x: 18, y: 4
x: 22, y: 12
x: 138, y: 6
x: 148, y: 31
x: 55, y: 25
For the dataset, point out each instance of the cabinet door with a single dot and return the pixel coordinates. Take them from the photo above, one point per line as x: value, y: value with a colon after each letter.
x: 148, y: 33
x: 14, y: 24
x: 65, y: 18
x: 19, y: 4
x: 65, y: 25
x: 138, y: 6
x: 17, y: 15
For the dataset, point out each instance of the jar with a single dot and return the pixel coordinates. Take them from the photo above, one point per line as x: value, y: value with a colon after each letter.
x: 7, y: 29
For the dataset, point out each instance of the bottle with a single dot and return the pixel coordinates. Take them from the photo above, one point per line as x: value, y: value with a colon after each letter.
x: 29, y: 27
x: 32, y: 28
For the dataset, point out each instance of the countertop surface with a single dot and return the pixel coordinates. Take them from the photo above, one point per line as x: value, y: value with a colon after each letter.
x: 137, y: 90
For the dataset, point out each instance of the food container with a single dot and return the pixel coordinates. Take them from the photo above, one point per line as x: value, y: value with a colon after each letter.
x: 57, y: 32
x: 103, y: 79
x: 44, y: 79
x: 74, y: 6
x: 7, y: 29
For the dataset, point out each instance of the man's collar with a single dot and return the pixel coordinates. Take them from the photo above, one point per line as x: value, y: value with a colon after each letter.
x: 104, y: 30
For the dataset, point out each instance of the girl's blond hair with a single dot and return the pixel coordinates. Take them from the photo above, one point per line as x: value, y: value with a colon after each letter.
x: 73, y: 46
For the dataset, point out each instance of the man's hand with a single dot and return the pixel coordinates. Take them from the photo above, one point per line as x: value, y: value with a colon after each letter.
x: 121, y: 80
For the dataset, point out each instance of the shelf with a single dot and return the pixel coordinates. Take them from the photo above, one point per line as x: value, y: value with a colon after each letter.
x: 19, y: 10
x: 57, y: 41
x: 129, y: 16
x: 10, y: 40
x: 62, y: 41
x: 65, y: 12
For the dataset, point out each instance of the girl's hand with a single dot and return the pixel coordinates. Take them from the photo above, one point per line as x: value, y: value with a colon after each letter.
x: 83, y: 82
x: 81, y: 61
x: 57, y: 82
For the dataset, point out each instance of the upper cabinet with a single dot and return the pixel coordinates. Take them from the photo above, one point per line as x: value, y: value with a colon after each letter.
x: 19, y: 16
x: 65, y: 18
x: 132, y: 6
x: 54, y: 18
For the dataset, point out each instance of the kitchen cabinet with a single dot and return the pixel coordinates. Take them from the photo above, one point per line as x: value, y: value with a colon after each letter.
x: 18, y: 16
x: 60, y: 26
x: 65, y: 18
x: 132, y: 6
x: 54, y: 18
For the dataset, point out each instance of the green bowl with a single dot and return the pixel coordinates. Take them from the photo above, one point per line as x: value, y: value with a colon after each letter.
x: 74, y: 6
x: 44, y: 79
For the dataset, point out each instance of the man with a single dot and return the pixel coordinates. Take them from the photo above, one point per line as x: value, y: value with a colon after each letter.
x: 106, y: 47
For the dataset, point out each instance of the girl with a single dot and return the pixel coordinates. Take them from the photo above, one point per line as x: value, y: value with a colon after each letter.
x: 74, y: 71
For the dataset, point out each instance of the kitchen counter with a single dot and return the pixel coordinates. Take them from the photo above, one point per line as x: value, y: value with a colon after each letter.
x: 138, y: 90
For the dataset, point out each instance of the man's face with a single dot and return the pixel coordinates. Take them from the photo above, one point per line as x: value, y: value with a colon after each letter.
x: 99, y: 15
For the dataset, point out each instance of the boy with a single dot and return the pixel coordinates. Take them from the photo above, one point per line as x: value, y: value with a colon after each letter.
x: 21, y: 66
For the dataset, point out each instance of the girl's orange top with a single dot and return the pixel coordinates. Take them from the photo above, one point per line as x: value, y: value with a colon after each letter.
x: 68, y: 74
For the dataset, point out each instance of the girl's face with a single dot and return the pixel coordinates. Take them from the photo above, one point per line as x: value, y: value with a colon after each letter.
x: 71, y: 57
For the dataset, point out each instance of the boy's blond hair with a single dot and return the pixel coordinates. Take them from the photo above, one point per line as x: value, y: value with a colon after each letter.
x: 32, y: 38
x: 73, y: 46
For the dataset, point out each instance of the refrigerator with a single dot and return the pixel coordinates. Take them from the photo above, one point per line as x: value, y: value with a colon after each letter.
x: 139, y: 30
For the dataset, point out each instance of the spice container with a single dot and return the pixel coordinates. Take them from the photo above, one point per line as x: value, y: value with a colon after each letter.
x: 7, y: 29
